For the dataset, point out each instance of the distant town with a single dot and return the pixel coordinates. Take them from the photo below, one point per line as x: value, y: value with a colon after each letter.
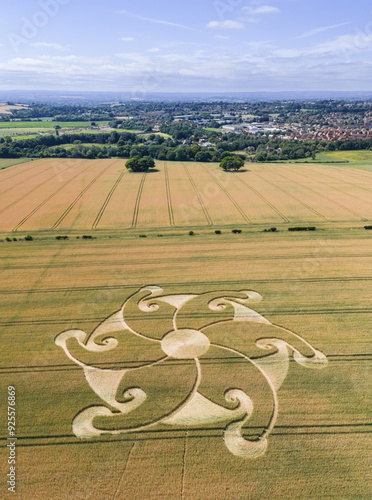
x: 186, y: 131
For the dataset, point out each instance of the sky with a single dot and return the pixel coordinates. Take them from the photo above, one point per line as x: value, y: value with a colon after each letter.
x: 148, y: 46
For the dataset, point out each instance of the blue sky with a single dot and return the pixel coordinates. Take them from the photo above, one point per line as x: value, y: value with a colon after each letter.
x: 184, y: 46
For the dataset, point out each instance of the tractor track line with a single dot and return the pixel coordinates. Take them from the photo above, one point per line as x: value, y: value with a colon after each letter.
x: 107, y: 200
x: 325, y: 197
x: 23, y: 181
x: 17, y: 173
x: 204, y: 208
x: 129, y: 364
x: 271, y: 205
x: 36, y: 209
x: 303, y: 312
x: 294, y: 198
x: 124, y: 471
x: 169, y: 197
x: 27, y: 194
x: 200, y: 433
x: 353, y: 184
x: 233, y: 201
x: 185, y: 283
x: 71, y: 206
x: 168, y: 260
x: 138, y: 201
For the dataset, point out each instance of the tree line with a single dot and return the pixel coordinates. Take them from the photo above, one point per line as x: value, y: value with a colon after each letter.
x: 130, y: 145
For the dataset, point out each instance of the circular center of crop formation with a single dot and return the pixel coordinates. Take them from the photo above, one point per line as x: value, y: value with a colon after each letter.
x: 185, y: 344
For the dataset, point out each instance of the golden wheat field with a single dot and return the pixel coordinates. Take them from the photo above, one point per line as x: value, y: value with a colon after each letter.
x: 205, y: 366
x: 70, y: 195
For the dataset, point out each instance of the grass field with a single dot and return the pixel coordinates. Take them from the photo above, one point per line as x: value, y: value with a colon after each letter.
x: 358, y: 159
x: 85, y: 195
x: 27, y: 129
x: 10, y: 162
x: 178, y: 441
x: 47, y: 124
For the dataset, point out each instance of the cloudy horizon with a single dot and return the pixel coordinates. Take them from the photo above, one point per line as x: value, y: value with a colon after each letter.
x: 213, y: 45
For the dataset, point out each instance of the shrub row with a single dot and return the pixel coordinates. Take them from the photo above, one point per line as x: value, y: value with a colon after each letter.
x: 303, y: 228
x: 27, y: 238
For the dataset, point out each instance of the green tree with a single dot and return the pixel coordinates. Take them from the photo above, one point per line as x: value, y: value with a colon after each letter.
x: 203, y: 156
x: 137, y: 164
x: 231, y: 163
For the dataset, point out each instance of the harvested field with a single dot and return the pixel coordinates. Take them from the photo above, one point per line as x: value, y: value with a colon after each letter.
x: 100, y: 194
x: 315, y: 285
x: 6, y: 109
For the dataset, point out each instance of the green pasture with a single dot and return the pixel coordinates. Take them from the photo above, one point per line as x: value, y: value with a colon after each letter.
x: 9, y: 162
x: 47, y: 124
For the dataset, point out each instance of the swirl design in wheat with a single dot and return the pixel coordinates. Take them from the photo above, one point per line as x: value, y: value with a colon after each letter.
x: 200, y: 361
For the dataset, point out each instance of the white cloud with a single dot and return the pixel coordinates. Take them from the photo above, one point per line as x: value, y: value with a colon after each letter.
x: 127, y: 39
x: 345, y: 47
x: 154, y: 50
x: 265, y: 67
x: 56, y: 46
x: 222, y: 37
x: 315, y: 31
x: 232, y: 25
x: 348, y: 45
x: 263, y: 9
